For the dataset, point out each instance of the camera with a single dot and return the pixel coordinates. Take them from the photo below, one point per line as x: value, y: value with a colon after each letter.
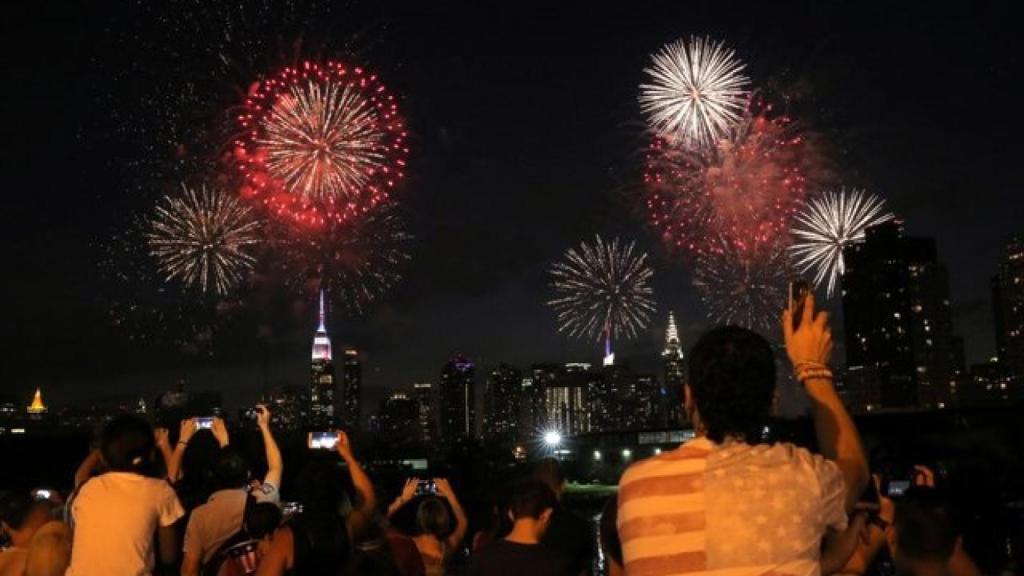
x: 426, y: 487
x: 325, y: 440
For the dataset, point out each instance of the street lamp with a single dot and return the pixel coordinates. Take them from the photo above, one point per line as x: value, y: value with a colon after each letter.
x: 552, y: 438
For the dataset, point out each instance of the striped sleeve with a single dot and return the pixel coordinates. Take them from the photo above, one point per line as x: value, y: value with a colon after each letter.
x: 661, y: 516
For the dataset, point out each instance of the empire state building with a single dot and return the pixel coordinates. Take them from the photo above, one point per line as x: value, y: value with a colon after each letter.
x: 321, y: 393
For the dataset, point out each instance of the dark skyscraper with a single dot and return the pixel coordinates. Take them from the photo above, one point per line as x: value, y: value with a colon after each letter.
x: 398, y: 419
x: 350, y: 407
x: 532, y: 417
x: 898, y: 322
x: 502, y: 395
x: 458, y: 397
x: 321, y: 392
x: 672, y: 413
x: 1008, y: 301
x: 423, y: 394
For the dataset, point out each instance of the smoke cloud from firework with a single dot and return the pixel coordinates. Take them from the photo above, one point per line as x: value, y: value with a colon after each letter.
x: 355, y: 263
x: 829, y: 224
x: 739, y: 195
x: 321, y: 143
x: 602, y: 290
x: 744, y: 287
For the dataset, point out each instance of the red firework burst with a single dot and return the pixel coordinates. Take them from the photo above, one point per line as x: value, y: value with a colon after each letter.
x: 321, y: 143
x: 741, y: 194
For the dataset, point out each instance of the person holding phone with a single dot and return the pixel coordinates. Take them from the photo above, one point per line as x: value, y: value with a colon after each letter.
x: 726, y: 500
x: 215, y: 522
x: 319, y: 539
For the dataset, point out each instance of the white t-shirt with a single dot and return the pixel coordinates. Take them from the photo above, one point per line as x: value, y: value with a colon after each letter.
x: 116, y: 515
x: 729, y: 509
x: 212, y: 523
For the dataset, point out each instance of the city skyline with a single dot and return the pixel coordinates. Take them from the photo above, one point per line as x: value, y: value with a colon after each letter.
x: 491, y: 199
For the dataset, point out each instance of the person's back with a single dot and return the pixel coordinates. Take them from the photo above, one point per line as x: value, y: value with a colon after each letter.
x: 722, y: 502
x: 118, y: 513
x: 714, y: 505
x: 521, y: 552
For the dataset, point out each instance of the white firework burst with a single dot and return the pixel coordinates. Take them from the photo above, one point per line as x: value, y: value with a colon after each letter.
x: 323, y: 141
x: 203, y: 239
x: 602, y: 289
x: 696, y: 92
x: 827, y: 225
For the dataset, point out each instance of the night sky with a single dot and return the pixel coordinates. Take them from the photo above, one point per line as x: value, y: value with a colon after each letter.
x: 525, y: 140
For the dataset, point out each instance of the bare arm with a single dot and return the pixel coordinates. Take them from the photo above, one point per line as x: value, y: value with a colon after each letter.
x: 444, y: 489
x: 190, y: 565
x: 92, y: 462
x: 185, y: 431
x: 408, y: 493
x: 280, y: 556
x: 367, y: 497
x: 220, y: 432
x: 275, y: 465
x: 840, y: 546
x: 838, y: 438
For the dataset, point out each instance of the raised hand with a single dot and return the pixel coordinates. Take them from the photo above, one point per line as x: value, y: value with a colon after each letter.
x: 262, y: 416
x: 811, y: 341
x: 220, y: 432
x: 185, y: 430
x: 344, y: 446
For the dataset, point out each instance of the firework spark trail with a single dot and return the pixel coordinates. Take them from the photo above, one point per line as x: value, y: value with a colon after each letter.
x: 696, y: 93
x: 744, y: 288
x: 203, y: 238
x: 829, y: 224
x: 321, y: 143
x: 355, y: 262
x: 602, y: 289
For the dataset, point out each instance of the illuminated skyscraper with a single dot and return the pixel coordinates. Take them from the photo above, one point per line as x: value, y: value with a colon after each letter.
x: 321, y: 393
x: 673, y: 377
x: 37, y: 407
x: 1008, y: 297
x: 350, y: 406
x: 458, y: 398
x: 898, y: 322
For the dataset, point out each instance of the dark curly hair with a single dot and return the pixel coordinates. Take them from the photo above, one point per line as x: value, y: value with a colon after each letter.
x: 732, y: 381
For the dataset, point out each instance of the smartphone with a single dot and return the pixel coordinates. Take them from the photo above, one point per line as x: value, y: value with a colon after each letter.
x: 289, y: 509
x: 426, y: 487
x: 204, y: 422
x: 42, y: 494
x: 798, y: 291
x: 897, y: 487
x: 323, y: 440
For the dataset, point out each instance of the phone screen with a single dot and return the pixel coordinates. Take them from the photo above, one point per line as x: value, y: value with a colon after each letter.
x: 204, y: 423
x: 323, y: 440
x: 41, y: 494
x: 898, y: 487
x: 798, y: 291
x: 426, y: 487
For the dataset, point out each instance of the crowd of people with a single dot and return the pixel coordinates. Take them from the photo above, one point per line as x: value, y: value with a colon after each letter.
x: 724, y: 502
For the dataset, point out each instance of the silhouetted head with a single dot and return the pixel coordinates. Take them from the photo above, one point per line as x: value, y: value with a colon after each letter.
x: 128, y: 445
x: 924, y: 533
x: 230, y: 470
x: 549, y: 471
x: 433, y: 517
x: 731, y: 383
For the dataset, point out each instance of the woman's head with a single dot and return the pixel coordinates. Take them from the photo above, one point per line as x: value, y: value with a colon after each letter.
x: 128, y: 445
x: 432, y: 517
